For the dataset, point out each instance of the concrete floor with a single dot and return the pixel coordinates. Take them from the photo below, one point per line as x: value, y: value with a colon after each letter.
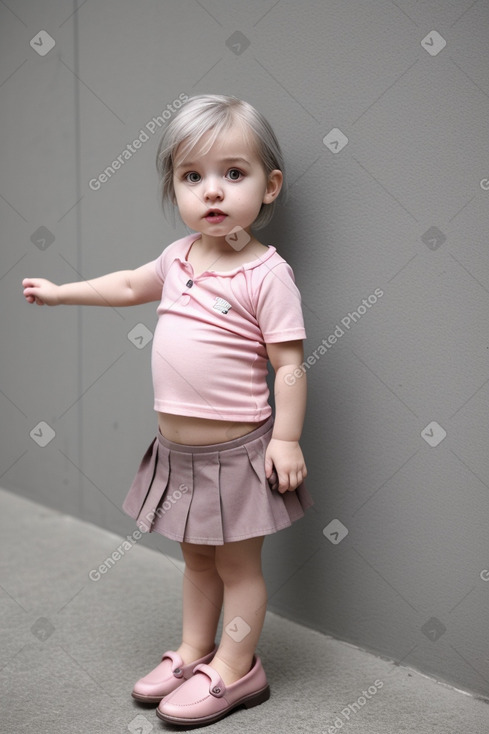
x: 73, y: 647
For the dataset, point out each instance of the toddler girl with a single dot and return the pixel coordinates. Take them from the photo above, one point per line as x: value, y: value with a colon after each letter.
x: 222, y: 472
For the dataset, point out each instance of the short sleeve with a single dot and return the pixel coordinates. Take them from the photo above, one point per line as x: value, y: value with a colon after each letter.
x: 163, y: 262
x: 158, y: 268
x: 278, y: 305
x: 161, y: 265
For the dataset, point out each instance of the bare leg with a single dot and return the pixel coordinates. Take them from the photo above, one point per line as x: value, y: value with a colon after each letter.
x: 202, y: 601
x: 245, y: 600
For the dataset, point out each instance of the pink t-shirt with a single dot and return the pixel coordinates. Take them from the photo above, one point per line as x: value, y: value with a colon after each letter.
x: 209, y: 356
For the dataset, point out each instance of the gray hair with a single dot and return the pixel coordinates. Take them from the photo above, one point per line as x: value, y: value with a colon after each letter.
x: 216, y: 112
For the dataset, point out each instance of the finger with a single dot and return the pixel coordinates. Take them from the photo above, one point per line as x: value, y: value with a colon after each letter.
x: 295, y: 478
x: 268, y: 467
x: 293, y: 481
x: 283, y: 483
x: 31, y: 296
x: 30, y: 282
x: 272, y: 480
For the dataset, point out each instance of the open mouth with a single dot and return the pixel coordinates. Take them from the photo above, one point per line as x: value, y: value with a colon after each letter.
x: 215, y: 215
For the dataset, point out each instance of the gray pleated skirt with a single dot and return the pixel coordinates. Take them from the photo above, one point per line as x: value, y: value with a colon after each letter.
x: 212, y: 494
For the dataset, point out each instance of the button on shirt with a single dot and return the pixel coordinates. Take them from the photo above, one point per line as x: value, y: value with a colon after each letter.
x: 209, y: 356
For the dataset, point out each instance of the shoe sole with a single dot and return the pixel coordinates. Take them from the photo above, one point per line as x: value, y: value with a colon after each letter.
x: 147, y: 699
x: 255, y: 699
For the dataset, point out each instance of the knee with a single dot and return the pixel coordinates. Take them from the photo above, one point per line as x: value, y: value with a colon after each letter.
x: 233, y: 571
x: 199, y: 559
x: 240, y: 561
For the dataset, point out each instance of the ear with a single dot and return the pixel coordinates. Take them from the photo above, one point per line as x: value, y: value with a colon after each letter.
x: 274, y: 184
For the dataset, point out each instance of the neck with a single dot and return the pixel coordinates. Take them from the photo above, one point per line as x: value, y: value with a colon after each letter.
x: 209, y: 244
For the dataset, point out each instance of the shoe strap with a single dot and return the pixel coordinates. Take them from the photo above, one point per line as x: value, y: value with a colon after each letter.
x: 217, y: 687
x: 177, y: 663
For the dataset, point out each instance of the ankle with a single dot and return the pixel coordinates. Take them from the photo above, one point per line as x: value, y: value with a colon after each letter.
x: 231, y: 671
x: 190, y: 653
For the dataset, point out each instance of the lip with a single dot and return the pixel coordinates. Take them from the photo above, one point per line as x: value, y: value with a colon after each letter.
x: 215, y: 216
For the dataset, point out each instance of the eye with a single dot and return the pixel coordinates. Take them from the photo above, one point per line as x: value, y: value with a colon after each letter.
x: 234, y: 174
x: 192, y: 177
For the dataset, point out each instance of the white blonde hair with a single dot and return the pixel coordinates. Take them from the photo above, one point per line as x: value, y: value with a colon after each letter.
x: 216, y: 113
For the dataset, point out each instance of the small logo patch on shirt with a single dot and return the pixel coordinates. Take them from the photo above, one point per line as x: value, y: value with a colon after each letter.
x: 221, y: 305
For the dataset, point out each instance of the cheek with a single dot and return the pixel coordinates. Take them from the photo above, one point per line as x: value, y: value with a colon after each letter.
x: 184, y: 197
x: 252, y: 192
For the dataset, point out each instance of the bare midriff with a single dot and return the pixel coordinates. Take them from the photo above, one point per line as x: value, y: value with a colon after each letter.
x: 202, y: 431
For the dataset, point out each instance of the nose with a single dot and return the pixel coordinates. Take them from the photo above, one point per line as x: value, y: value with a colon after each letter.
x: 213, y: 189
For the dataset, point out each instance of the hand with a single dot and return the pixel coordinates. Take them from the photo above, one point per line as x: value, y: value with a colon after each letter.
x: 40, y: 291
x: 287, y: 459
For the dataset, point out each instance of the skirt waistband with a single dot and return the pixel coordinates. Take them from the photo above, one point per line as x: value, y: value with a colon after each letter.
x: 212, y: 448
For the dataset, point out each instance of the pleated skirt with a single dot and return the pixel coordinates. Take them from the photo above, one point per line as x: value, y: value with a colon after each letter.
x: 211, y: 494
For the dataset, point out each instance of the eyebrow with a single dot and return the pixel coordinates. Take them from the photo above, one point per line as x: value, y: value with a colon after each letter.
x: 229, y: 159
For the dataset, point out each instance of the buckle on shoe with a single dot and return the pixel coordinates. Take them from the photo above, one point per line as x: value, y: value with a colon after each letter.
x: 178, y: 673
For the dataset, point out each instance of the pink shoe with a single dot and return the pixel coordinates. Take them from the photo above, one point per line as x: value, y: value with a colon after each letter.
x: 204, y: 698
x: 166, y: 677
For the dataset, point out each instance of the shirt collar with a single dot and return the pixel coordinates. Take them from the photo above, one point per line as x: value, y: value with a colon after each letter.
x: 184, y: 248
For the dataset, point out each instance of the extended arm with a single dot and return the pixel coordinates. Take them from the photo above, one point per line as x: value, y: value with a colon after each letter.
x: 284, y: 451
x: 122, y: 288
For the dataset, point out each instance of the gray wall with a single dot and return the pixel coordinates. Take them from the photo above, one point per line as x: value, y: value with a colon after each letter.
x: 402, y: 207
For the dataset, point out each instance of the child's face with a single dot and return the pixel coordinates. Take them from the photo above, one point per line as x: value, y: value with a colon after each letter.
x: 229, y: 178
